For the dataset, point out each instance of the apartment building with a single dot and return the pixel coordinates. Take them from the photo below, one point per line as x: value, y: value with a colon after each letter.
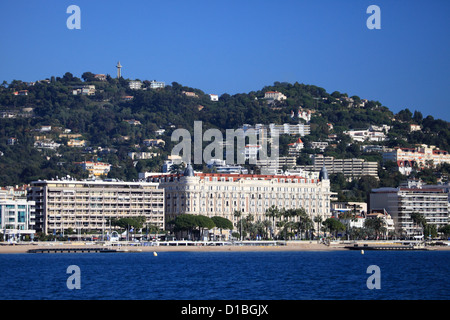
x: 401, y: 202
x: 157, y: 84
x: 366, y: 135
x: 285, y: 128
x: 135, y: 84
x: 277, y: 165
x: 321, y: 145
x: 274, y: 95
x: 142, y: 155
x: 349, y: 167
x: 358, y: 208
x: 421, y: 156
x: 95, y: 169
x: 17, y: 217
x: 89, y: 205
x: 214, y: 194
x: 291, y: 129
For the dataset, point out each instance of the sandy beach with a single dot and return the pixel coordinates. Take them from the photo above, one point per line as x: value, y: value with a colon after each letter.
x: 290, y: 246
x: 307, y: 246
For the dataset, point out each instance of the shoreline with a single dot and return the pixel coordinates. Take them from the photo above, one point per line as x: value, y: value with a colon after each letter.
x: 19, y: 248
x: 297, y: 246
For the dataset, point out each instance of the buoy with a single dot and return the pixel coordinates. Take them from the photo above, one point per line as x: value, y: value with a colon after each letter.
x: 362, y: 251
x: 155, y: 254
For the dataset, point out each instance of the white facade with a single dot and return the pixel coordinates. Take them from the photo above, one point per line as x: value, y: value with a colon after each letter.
x: 213, y: 194
x: 401, y: 202
x: 88, y: 205
x: 157, y: 84
x: 135, y: 84
x: 95, y: 168
x: 349, y: 167
x: 421, y: 156
x: 322, y: 145
x: 366, y: 135
x: 292, y: 129
x: 274, y: 95
x: 304, y: 114
x: 46, y: 144
x: 142, y: 155
x: 251, y: 151
x: 17, y: 217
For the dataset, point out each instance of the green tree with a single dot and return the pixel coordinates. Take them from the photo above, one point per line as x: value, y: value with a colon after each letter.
x: 185, y: 222
x: 273, y: 213
x: 318, y: 219
x: 128, y: 223
x: 333, y: 225
x: 419, y: 220
x: 88, y: 76
x: 204, y: 222
x: 375, y: 226
x: 445, y: 230
x: 222, y: 223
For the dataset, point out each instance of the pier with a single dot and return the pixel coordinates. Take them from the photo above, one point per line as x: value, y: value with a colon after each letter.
x: 72, y: 250
x: 386, y: 247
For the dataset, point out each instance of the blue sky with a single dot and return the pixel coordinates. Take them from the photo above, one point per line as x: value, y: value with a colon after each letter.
x: 233, y: 46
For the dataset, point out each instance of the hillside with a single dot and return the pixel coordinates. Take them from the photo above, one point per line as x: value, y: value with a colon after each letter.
x: 116, y: 120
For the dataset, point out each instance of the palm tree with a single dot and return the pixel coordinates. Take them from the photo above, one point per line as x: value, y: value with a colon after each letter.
x: 267, y: 224
x: 348, y: 217
x: 377, y: 225
x: 419, y: 220
x: 274, y: 213
x: 318, y: 219
x: 238, y: 214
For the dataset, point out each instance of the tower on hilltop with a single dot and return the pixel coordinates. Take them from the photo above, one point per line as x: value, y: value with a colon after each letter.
x: 119, y: 72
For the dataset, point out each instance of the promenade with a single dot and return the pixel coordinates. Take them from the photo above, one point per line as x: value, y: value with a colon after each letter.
x: 174, y: 246
x: 187, y: 246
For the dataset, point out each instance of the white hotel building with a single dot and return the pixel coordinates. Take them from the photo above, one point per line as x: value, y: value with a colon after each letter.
x: 16, y: 217
x: 88, y: 205
x: 213, y: 194
x: 429, y: 201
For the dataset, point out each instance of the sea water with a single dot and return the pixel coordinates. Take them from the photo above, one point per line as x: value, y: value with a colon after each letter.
x: 308, y: 275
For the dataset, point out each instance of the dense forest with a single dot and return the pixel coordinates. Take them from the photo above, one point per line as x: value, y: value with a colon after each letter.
x: 99, y: 120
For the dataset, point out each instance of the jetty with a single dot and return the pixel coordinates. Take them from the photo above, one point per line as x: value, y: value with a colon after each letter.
x: 386, y: 247
x: 73, y: 250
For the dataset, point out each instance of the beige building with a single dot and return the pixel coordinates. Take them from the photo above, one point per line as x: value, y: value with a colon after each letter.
x: 213, y: 194
x: 89, y: 205
x: 76, y: 143
x: 274, y: 95
x: 95, y: 168
x: 421, y: 156
x: 349, y: 167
